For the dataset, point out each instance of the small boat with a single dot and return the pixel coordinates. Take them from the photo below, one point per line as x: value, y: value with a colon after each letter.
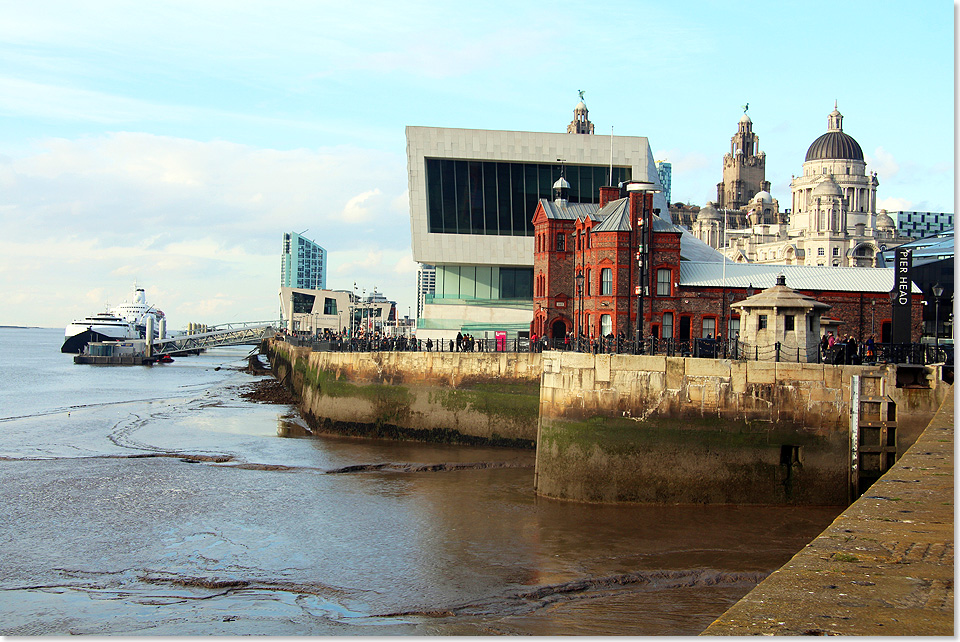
x: 165, y: 358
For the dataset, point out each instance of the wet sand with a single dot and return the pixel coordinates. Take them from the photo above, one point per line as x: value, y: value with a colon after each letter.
x: 196, y: 511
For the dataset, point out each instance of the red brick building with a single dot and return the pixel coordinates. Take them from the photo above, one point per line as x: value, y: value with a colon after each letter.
x: 681, y: 299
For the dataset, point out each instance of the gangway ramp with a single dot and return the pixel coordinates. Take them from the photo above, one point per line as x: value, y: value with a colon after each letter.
x: 229, y: 334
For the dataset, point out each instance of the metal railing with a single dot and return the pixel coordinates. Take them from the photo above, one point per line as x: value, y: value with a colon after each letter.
x: 227, y: 335
x: 841, y: 354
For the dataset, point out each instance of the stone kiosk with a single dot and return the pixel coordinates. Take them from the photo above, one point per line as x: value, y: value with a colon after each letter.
x: 780, y: 316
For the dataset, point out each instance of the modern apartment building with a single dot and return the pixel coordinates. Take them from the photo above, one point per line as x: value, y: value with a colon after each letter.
x: 426, y: 285
x: 665, y: 172
x: 303, y: 263
x: 922, y: 224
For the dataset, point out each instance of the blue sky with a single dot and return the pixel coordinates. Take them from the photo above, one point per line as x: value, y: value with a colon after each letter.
x: 173, y: 143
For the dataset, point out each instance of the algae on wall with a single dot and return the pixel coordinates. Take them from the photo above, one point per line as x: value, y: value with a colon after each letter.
x: 616, y: 459
x: 411, y: 396
x: 621, y: 428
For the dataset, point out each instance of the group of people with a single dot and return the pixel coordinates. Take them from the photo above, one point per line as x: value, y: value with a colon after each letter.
x: 466, y: 343
x: 373, y: 341
x: 361, y: 341
x: 847, y: 351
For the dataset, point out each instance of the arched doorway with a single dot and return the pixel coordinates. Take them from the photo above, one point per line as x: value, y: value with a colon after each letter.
x: 559, y: 329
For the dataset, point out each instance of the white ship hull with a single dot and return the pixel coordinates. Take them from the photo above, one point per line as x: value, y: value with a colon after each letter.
x: 126, y: 321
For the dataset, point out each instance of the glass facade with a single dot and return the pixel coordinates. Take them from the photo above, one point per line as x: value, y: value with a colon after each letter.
x: 303, y: 263
x: 499, y: 198
x: 483, y: 282
x: 303, y: 303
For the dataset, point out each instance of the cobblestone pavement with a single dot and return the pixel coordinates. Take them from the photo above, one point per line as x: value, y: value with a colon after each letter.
x: 884, y: 567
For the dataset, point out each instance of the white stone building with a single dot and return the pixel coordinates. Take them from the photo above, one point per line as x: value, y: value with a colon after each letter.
x: 833, y: 219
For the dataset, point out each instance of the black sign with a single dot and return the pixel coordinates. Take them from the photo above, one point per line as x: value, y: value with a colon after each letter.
x: 902, y: 296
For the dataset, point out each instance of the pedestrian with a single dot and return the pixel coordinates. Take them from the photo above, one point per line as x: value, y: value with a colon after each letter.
x: 429, y: 345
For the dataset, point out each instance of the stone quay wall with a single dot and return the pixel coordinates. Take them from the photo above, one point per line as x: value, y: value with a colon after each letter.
x: 884, y: 567
x: 486, y: 398
x: 654, y: 429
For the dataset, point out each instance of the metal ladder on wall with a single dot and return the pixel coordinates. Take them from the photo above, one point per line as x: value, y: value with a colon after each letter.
x: 873, y: 432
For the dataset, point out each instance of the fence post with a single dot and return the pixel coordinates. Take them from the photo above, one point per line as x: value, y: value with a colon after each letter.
x: 756, y: 353
x: 778, y: 351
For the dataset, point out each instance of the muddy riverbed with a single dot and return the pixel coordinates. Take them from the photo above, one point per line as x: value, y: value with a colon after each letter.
x: 182, y: 503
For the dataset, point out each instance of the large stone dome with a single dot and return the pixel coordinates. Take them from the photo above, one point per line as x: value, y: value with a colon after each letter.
x: 828, y: 187
x: 885, y: 221
x: 835, y: 145
x: 709, y: 213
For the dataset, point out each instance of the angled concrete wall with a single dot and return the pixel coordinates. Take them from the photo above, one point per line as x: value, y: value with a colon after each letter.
x: 623, y: 428
x: 475, y: 398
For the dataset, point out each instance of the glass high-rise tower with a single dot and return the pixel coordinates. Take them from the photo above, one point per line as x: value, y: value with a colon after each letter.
x: 303, y: 263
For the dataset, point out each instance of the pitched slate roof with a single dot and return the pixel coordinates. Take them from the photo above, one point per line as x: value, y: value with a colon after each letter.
x: 615, y: 216
x: 799, y: 277
x: 691, y: 248
x: 570, y: 211
x: 780, y: 296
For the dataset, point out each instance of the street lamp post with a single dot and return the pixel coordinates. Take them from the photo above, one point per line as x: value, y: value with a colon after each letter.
x: 353, y: 310
x: 579, y: 279
x: 937, y: 293
x: 644, y: 240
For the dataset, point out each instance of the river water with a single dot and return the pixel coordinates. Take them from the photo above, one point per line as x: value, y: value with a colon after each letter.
x: 158, y: 501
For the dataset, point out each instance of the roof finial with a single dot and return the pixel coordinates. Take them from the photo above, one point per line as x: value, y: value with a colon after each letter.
x: 580, y: 91
x: 745, y: 107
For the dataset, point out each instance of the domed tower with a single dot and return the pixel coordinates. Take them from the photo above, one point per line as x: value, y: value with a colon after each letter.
x: 708, y: 226
x: 744, y: 168
x: 829, y: 213
x: 838, y: 155
x: 581, y: 122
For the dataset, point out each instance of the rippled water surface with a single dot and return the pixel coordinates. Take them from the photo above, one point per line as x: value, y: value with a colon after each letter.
x: 156, y: 500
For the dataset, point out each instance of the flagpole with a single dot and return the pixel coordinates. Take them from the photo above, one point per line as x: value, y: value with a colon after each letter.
x: 611, y: 155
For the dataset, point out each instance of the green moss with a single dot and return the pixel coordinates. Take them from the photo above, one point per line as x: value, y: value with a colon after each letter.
x: 513, y: 402
x: 624, y: 435
x: 382, y: 430
x: 845, y: 557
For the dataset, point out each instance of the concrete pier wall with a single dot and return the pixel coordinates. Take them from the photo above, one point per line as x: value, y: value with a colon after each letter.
x: 884, y: 567
x: 624, y: 428
x: 478, y: 398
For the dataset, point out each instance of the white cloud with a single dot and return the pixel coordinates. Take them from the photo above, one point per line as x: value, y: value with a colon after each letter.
x: 185, y: 218
x: 355, y: 211
x: 883, y: 163
x: 894, y: 204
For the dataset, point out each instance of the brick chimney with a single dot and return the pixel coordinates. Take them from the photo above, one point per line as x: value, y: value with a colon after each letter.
x: 636, y: 205
x: 608, y: 194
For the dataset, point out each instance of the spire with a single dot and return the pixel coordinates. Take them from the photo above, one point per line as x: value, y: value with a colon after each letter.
x: 581, y: 122
x: 835, y: 120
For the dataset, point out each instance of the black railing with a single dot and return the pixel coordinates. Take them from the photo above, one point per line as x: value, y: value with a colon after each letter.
x: 839, y: 354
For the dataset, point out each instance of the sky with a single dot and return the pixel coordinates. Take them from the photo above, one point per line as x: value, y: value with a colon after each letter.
x: 172, y: 144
